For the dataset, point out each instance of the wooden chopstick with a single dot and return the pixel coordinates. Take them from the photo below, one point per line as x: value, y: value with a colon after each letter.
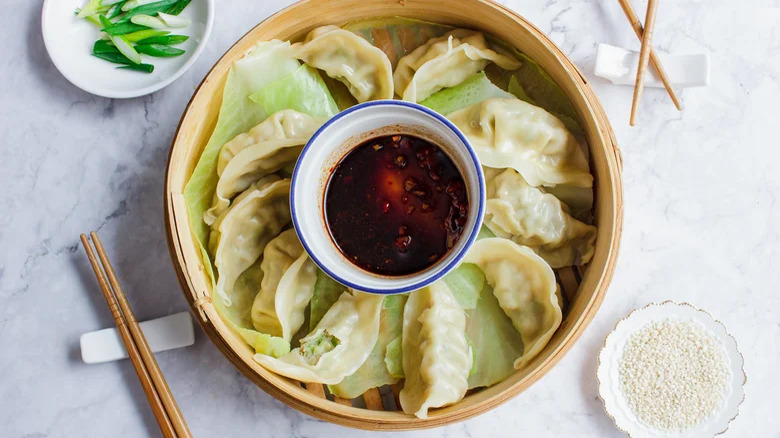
x: 171, y: 408
x: 644, y: 57
x: 634, y: 20
x: 164, y: 419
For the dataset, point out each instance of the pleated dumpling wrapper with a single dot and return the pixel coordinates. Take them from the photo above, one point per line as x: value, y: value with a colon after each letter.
x: 531, y: 217
x: 444, y: 62
x: 513, y: 133
x: 241, y: 232
x: 287, y: 286
x: 271, y: 145
x: 436, y: 355
x: 525, y: 287
x: 350, y: 59
x: 337, y: 346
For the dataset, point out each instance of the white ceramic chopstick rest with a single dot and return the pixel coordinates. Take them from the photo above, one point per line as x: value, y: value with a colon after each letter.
x: 618, y: 65
x: 166, y: 333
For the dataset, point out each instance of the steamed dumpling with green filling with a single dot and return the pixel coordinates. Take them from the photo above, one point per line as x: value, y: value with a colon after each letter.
x: 444, y: 62
x: 337, y: 346
x: 512, y: 133
x: 525, y: 287
x: 287, y: 286
x: 240, y: 234
x: 350, y: 59
x: 268, y: 147
x: 531, y: 217
x: 436, y: 355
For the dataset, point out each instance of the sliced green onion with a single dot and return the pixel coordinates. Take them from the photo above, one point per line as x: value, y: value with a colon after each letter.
x: 111, y: 2
x: 148, y: 9
x: 145, y: 34
x: 123, y: 28
x: 116, y: 58
x: 105, y: 22
x: 178, y: 7
x: 169, y: 40
x: 104, y: 46
x: 158, y: 50
x: 131, y: 4
x: 126, y: 49
x: 93, y: 19
x: 148, y: 21
x: 122, y: 44
x: 146, y: 68
x: 173, y: 20
x: 115, y: 10
x: 90, y: 8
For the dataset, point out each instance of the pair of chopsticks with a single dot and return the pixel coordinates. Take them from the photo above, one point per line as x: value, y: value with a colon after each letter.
x: 646, y: 53
x: 163, y: 405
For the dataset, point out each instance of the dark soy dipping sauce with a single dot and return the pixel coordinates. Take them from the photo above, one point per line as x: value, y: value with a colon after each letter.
x: 395, y: 205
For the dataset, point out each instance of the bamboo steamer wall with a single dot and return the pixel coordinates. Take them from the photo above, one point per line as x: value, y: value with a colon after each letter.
x: 584, y: 287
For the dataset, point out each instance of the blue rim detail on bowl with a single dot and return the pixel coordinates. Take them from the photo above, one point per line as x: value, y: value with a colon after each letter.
x: 472, y: 235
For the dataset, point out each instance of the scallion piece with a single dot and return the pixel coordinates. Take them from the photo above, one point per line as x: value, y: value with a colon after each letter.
x: 148, y: 21
x: 122, y: 44
x: 92, y: 19
x: 115, y: 10
x: 146, y: 68
x: 105, y: 22
x: 158, y: 50
x: 178, y: 7
x: 168, y: 40
x: 126, y: 49
x: 148, y: 9
x: 138, y: 36
x: 173, y: 20
x: 123, y: 28
x: 90, y: 8
x: 116, y: 58
x: 104, y: 46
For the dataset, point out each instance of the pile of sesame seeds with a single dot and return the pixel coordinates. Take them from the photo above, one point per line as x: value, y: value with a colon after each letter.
x: 673, y: 374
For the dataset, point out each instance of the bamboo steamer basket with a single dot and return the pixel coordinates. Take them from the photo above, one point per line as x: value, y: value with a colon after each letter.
x: 584, y: 287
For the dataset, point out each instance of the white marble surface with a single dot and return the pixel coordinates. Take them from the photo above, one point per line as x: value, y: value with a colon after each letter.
x: 701, y: 225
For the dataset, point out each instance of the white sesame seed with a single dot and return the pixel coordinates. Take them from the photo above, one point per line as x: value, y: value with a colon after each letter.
x: 673, y: 374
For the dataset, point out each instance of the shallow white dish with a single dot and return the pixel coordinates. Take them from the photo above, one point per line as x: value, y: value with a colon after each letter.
x: 69, y: 42
x: 607, y: 373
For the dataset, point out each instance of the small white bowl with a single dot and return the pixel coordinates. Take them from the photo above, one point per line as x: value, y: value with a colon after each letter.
x: 332, y: 142
x: 69, y: 42
x: 607, y: 374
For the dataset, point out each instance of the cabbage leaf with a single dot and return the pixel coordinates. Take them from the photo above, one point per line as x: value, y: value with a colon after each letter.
x: 473, y: 90
x: 495, y: 341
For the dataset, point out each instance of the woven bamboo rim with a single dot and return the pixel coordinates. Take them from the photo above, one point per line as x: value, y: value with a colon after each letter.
x: 584, y: 287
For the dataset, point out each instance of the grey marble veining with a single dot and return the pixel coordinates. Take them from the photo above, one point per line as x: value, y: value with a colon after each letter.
x: 701, y: 225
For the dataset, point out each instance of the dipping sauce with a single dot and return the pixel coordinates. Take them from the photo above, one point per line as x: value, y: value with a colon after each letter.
x: 395, y: 205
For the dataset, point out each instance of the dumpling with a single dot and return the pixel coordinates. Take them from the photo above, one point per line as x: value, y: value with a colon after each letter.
x: 337, y: 346
x: 240, y: 234
x: 265, y: 149
x: 512, y: 133
x: 444, y: 62
x: 525, y: 287
x: 281, y: 125
x: 349, y: 58
x: 531, y: 217
x: 286, y: 289
x: 436, y: 355
x: 374, y: 371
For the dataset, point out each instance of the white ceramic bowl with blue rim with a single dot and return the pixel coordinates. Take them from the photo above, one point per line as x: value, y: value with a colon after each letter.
x: 339, y: 136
